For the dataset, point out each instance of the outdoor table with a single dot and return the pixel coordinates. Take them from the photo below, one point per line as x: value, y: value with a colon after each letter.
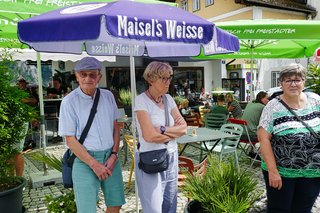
x: 127, y: 129
x: 203, y: 135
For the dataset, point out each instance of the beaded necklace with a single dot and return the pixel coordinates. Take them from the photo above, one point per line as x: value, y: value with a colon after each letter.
x: 149, y: 94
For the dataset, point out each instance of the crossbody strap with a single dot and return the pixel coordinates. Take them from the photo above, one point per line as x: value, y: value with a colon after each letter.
x: 91, y: 117
x: 295, y: 114
x: 166, y: 111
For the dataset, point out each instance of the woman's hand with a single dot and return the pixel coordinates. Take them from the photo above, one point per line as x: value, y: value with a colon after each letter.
x: 275, y: 180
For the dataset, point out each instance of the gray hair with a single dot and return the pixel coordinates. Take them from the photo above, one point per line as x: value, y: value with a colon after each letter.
x: 156, y: 69
x: 292, y: 69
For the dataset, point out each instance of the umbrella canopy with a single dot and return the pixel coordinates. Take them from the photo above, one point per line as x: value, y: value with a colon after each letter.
x: 13, y: 11
x: 265, y: 38
x: 126, y: 28
x: 271, y: 38
x: 113, y: 29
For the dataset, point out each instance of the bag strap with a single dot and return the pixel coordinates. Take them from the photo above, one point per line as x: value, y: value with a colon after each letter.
x: 295, y: 114
x: 166, y: 111
x: 88, y: 124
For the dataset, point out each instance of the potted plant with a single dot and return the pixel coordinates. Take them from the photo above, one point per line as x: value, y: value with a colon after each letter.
x: 13, y: 115
x: 313, y: 77
x: 126, y: 100
x: 222, y: 189
x: 61, y: 203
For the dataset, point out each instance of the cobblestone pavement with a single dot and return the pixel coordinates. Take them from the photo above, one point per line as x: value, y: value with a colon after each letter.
x: 34, y: 198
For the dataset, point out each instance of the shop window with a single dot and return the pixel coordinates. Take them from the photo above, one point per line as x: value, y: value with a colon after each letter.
x: 191, y: 77
x: 209, y: 2
x: 195, y: 5
x: 275, y: 78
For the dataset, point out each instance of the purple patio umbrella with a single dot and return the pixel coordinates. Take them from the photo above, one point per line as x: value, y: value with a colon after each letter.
x: 125, y: 28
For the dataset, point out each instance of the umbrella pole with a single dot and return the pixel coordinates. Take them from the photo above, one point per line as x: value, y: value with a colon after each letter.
x: 42, y: 126
x: 133, y: 95
x: 251, y: 76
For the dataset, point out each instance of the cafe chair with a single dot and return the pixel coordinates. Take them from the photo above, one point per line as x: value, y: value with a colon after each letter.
x: 248, y: 143
x: 193, y: 119
x: 186, y: 166
x: 228, y: 145
x: 129, y: 142
x: 51, y: 114
x: 215, y: 120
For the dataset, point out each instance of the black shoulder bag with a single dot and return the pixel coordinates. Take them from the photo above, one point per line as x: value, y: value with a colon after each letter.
x: 295, y: 114
x: 156, y: 160
x: 68, y: 157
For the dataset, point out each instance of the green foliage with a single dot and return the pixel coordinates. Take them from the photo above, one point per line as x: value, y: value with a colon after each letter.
x: 51, y: 160
x: 178, y: 99
x: 125, y: 97
x: 13, y: 115
x: 223, y: 188
x: 313, y: 77
x: 62, y: 203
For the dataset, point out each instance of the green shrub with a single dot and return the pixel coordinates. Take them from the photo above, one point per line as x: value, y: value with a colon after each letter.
x: 223, y: 188
x: 125, y: 97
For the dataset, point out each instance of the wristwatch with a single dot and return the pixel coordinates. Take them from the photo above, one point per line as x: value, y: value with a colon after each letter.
x: 162, y: 129
x: 114, y: 153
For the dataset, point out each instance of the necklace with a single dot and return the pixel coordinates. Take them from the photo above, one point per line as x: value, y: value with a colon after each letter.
x: 154, y: 98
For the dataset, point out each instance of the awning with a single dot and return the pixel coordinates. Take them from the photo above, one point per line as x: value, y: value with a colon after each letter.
x: 28, y: 54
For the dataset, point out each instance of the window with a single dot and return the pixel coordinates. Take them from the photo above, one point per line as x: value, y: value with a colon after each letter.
x: 195, y: 5
x: 275, y: 78
x: 184, y: 5
x: 209, y: 2
x: 183, y: 77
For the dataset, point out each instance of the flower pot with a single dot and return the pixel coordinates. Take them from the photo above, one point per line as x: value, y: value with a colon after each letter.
x: 11, y: 200
x: 128, y: 110
x: 193, y: 206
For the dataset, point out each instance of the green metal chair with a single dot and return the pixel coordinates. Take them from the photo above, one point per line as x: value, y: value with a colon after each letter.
x: 228, y: 145
x: 215, y: 120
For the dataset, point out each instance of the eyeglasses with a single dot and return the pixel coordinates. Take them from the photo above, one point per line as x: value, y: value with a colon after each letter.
x: 166, y: 79
x: 296, y: 81
x: 90, y: 75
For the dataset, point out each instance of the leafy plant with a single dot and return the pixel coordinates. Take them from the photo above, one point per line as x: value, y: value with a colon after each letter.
x: 125, y: 97
x: 223, y: 188
x: 13, y: 116
x: 51, y: 160
x: 62, y: 203
x: 313, y: 77
x: 178, y: 99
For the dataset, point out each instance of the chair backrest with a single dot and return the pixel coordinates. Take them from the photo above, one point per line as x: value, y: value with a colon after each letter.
x: 215, y: 120
x: 201, y: 112
x: 186, y: 164
x: 121, y: 112
x: 244, y: 124
x: 129, y: 141
x: 233, y: 129
x: 192, y: 120
x: 50, y: 111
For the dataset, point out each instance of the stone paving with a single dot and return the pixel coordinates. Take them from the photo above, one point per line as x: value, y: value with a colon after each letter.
x: 33, y: 198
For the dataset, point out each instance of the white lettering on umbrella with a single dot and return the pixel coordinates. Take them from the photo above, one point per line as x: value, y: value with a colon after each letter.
x: 127, y: 27
x: 154, y: 28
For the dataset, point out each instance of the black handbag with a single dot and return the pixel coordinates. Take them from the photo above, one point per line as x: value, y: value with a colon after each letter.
x: 68, y: 156
x: 156, y: 160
